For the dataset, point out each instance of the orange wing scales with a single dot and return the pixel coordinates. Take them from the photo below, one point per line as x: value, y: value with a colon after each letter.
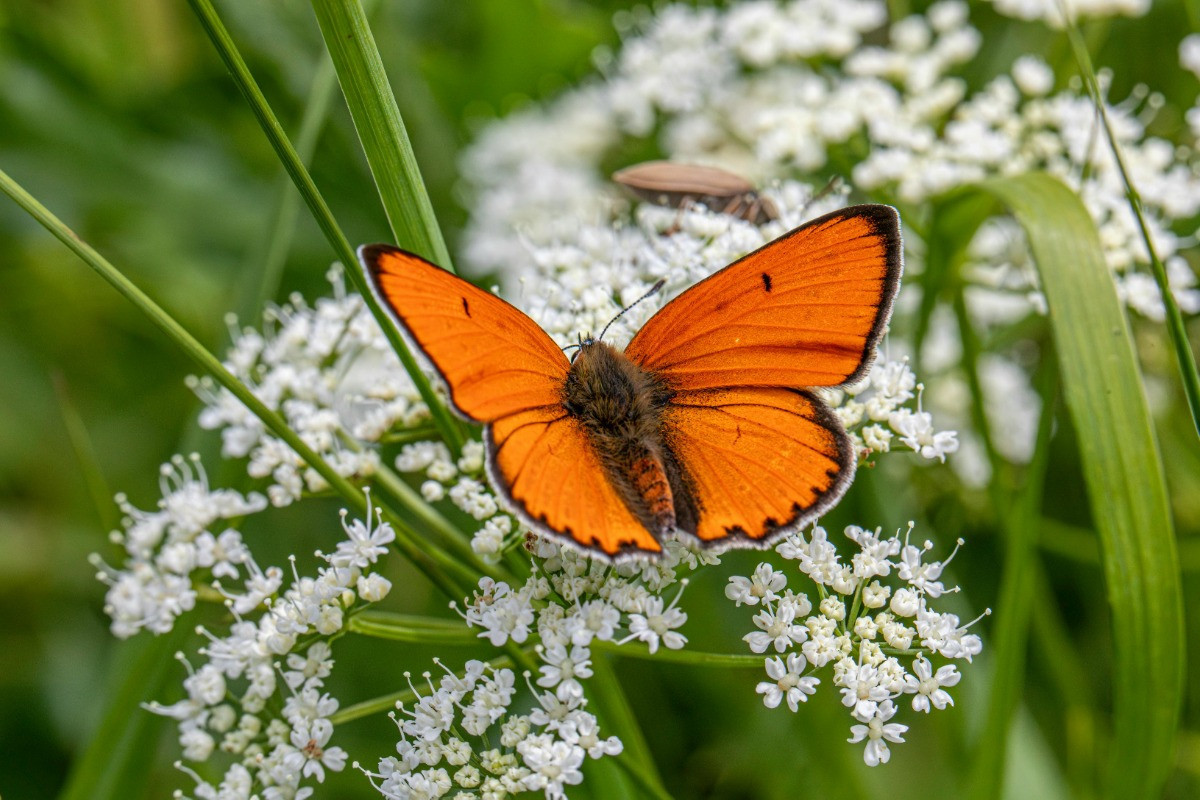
x: 494, y: 360
x: 551, y: 476
x: 805, y: 310
x: 760, y: 461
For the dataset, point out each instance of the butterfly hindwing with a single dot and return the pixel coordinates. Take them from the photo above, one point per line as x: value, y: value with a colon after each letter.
x: 805, y: 310
x: 758, y: 460
x: 551, y: 476
x: 494, y: 359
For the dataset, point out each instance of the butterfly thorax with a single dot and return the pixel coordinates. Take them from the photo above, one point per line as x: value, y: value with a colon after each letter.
x: 620, y: 407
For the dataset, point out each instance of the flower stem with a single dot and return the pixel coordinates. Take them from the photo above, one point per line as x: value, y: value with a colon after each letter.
x: 695, y: 658
x: 1188, y: 371
x: 429, y: 516
x: 211, y: 22
x: 412, y: 629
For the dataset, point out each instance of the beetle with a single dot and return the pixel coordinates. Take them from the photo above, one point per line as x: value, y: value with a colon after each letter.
x: 675, y: 185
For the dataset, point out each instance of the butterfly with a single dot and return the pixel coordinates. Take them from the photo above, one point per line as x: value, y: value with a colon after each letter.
x: 704, y: 425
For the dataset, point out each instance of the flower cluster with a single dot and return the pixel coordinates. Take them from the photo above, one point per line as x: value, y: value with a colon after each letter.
x: 330, y: 372
x: 860, y: 626
x: 784, y: 90
x: 189, y: 538
x: 1050, y: 11
x: 445, y: 744
x: 258, y: 699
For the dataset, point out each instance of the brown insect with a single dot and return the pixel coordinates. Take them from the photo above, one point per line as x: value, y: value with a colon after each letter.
x: 673, y: 185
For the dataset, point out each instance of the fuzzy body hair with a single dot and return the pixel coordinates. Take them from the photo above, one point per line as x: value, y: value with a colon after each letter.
x: 620, y: 407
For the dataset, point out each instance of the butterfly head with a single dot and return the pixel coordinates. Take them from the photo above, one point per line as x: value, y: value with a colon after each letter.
x: 583, y: 342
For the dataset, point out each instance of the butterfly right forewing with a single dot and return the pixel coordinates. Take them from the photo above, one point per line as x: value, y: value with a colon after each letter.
x: 759, y: 454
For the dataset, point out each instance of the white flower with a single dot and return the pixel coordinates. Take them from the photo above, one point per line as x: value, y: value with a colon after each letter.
x: 582, y: 730
x: 763, y: 585
x: 553, y: 764
x: 777, y: 627
x: 595, y: 619
x: 927, y: 685
x: 863, y: 689
x: 564, y: 668
x: 657, y: 624
x: 365, y: 544
x: 501, y: 612
x: 916, y: 431
x: 310, y: 741
x: 878, y: 732
x: 786, y: 681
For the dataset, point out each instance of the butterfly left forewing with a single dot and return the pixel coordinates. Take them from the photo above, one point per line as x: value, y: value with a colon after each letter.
x: 805, y: 310
x: 493, y: 359
x: 757, y: 461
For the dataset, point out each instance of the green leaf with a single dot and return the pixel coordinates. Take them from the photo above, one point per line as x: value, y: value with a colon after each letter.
x: 1103, y: 391
x: 380, y: 128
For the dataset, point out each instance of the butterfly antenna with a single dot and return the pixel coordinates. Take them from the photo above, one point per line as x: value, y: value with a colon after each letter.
x: 653, y: 289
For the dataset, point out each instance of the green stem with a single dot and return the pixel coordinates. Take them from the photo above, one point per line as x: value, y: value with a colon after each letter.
x: 454, y: 538
x: 412, y: 629
x: 429, y: 560
x: 692, y: 657
x: 1188, y: 371
x: 245, y: 82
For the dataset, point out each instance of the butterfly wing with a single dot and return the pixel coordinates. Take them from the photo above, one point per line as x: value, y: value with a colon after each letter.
x: 805, y: 310
x: 758, y: 461
x: 552, y: 478
x: 503, y: 370
x: 494, y: 360
x: 760, y: 455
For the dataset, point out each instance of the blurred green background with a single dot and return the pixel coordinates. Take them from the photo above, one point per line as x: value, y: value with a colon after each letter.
x: 121, y: 119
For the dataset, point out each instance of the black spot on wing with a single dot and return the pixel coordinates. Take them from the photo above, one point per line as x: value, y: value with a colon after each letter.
x: 466, y: 307
x: 766, y: 281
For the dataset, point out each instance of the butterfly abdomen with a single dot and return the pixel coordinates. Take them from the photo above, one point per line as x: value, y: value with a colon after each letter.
x: 620, y: 407
x: 649, y: 479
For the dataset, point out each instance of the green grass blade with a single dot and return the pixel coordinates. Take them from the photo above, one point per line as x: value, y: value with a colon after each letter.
x: 287, y: 154
x: 121, y: 751
x: 614, y: 712
x: 432, y: 561
x: 85, y: 454
x: 381, y: 129
x: 267, y: 263
x: 1176, y: 331
x: 1103, y: 391
x: 1019, y: 516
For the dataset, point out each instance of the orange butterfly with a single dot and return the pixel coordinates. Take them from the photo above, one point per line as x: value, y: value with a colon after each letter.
x: 702, y: 425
